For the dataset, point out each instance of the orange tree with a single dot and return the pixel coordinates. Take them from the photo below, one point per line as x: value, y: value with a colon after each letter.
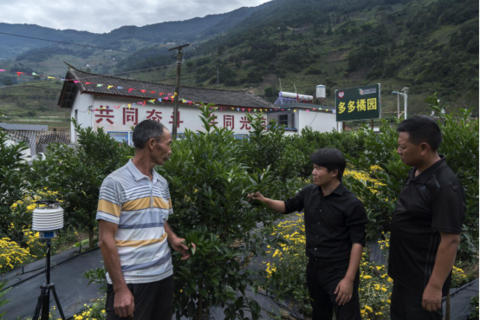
x: 209, y: 185
x: 12, y: 182
x: 77, y: 174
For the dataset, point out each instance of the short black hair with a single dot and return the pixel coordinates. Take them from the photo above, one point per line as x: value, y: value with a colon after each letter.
x: 332, y: 159
x: 146, y: 130
x: 422, y: 129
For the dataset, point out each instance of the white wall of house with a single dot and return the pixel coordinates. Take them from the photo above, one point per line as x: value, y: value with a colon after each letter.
x: 104, y: 113
x: 286, y: 118
x: 318, y: 121
x: 80, y: 112
x: 100, y: 111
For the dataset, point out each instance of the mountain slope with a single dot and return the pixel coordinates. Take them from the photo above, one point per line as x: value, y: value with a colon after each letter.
x: 426, y: 45
x: 129, y: 38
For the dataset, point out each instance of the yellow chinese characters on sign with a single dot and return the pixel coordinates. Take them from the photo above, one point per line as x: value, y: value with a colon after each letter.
x: 358, y: 103
x: 361, y: 105
x: 351, y: 106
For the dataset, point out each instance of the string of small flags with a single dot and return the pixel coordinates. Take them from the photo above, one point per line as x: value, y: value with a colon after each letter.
x: 167, y: 96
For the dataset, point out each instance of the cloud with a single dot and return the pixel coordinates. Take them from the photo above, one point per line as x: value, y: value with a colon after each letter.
x: 102, y: 16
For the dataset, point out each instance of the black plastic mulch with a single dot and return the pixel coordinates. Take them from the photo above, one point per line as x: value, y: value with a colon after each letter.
x: 66, y: 272
x: 72, y: 287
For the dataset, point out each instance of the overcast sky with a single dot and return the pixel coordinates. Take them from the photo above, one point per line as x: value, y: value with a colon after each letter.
x: 101, y: 16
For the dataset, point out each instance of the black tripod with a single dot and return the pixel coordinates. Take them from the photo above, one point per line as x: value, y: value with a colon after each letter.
x: 44, y: 298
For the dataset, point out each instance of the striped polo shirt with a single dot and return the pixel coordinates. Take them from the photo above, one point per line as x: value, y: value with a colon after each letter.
x: 140, y: 207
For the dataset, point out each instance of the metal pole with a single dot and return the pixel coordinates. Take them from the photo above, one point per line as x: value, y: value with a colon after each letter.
x: 46, y: 298
x: 398, y: 106
x: 177, y: 89
x: 406, y: 98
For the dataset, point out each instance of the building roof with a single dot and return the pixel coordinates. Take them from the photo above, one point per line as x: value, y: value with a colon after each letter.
x: 85, y: 82
x: 23, y: 127
x: 305, y: 106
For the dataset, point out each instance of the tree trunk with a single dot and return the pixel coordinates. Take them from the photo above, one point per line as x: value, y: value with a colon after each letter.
x: 200, y: 308
x: 90, y: 237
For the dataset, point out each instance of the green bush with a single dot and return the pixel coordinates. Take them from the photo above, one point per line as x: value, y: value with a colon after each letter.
x: 473, y: 314
x: 300, y: 147
x: 460, y: 147
x: 12, y: 182
x: 209, y: 184
x: 268, y: 149
x: 77, y: 174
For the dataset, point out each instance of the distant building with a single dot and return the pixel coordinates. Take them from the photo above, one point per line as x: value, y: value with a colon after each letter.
x: 117, y: 104
x: 296, y: 116
x: 22, y: 127
x: 24, y: 132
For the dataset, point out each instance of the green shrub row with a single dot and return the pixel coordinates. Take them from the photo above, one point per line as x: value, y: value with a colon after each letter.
x: 210, y: 176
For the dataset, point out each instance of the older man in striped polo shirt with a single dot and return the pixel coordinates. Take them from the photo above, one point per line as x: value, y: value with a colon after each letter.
x: 133, y: 210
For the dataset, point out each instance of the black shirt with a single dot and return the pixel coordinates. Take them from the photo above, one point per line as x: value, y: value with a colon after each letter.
x: 430, y: 203
x: 332, y: 223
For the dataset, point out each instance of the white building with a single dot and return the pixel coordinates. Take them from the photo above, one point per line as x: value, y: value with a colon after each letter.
x: 117, y: 104
x: 296, y: 116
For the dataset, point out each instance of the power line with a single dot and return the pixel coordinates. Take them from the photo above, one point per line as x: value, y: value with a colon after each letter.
x: 29, y: 83
x: 63, y: 42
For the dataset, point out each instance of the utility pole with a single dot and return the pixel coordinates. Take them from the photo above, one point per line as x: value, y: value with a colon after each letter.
x: 177, y: 89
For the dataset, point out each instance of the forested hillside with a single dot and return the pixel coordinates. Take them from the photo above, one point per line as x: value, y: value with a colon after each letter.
x: 426, y: 45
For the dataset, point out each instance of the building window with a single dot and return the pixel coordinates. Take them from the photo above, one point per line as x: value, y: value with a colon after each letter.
x: 283, y: 120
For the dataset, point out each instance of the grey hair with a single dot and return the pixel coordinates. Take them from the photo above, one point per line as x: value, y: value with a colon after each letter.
x: 146, y: 130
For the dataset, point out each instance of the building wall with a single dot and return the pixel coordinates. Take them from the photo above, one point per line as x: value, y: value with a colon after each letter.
x: 292, y: 118
x: 119, y: 122
x: 318, y: 121
x: 80, y: 112
x: 94, y: 111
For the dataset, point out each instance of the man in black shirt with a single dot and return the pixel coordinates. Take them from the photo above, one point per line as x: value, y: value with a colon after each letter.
x: 335, y: 232
x: 426, y: 224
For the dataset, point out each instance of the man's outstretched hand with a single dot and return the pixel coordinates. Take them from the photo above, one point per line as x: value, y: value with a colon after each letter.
x: 178, y: 244
x: 256, y: 196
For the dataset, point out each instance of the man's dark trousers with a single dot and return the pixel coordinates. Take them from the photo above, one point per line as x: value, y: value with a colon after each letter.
x: 322, y: 280
x: 153, y: 301
x: 407, y: 305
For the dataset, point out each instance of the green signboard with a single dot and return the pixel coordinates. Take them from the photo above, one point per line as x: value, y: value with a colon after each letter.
x: 358, y: 103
